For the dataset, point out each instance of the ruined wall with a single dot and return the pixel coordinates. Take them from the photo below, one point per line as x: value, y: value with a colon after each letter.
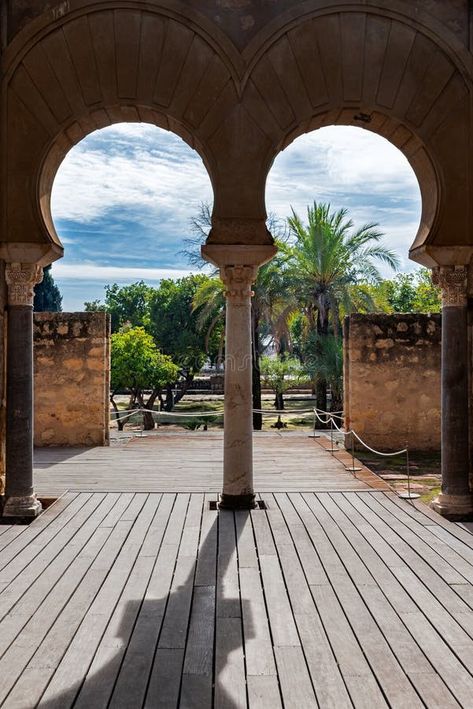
x: 72, y: 379
x: 392, y: 380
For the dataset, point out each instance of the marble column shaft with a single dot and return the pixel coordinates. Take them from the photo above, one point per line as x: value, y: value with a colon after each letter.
x: 455, y: 500
x: 19, y: 493
x: 238, y: 406
x: 238, y: 265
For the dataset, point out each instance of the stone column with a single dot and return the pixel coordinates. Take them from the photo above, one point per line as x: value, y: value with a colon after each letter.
x: 238, y: 406
x: 20, y: 499
x: 455, y: 501
x: 238, y: 270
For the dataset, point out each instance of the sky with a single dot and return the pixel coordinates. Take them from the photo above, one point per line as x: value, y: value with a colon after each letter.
x: 123, y: 198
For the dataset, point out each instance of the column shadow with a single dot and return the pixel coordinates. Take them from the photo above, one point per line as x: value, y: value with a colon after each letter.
x: 151, y: 676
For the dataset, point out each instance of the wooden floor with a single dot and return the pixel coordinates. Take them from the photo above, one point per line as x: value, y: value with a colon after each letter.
x: 153, y: 600
x: 193, y: 462
x: 131, y: 592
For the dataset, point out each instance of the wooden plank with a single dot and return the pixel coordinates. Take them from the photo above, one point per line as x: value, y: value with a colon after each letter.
x: 438, y: 542
x: 30, y: 566
x: 166, y: 664
x: 60, y: 513
x: 361, y: 684
x: 164, y: 686
x: 131, y: 619
x: 45, y: 598
x: 141, y: 641
x: 385, y: 666
x: 325, y: 674
x: 230, y: 684
x: 282, y: 462
x: 43, y: 663
x: 258, y: 646
x: 228, y: 593
x: 75, y: 662
x: 455, y: 676
x: 197, y: 677
x: 380, y: 601
x: 296, y: 687
x: 263, y: 692
x: 206, y: 571
x: 429, y: 592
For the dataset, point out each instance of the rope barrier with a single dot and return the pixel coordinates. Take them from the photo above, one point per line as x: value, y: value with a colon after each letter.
x: 329, y: 419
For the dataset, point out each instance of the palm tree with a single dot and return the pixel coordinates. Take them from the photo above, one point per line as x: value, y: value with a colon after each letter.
x: 328, y: 258
x: 271, y: 305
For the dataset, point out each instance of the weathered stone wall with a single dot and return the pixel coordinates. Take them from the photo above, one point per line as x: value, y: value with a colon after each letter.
x: 72, y: 379
x: 392, y: 380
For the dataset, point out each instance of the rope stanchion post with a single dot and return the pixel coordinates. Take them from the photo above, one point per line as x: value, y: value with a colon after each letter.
x: 408, y: 495
x: 353, y: 468
x: 314, y: 434
x: 332, y: 448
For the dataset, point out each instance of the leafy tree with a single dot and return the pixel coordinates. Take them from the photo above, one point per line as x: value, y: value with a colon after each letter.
x: 408, y: 293
x: 209, y: 304
x: 138, y: 365
x: 95, y: 306
x: 126, y: 304
x: 47, y: 296
x: 280, y: 374
x: 175, y: 328
x: 328, y: 258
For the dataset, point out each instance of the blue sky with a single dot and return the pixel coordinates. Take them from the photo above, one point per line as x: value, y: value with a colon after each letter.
x: 123, y: 198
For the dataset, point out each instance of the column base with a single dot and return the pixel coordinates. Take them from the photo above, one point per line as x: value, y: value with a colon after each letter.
x: 237, y: 502
x: 456, y: 508
x: 27, y: 506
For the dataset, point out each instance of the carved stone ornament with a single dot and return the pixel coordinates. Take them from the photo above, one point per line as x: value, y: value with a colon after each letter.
x: 21, y: 279
x: 453, y: 280
x: 239, y: 280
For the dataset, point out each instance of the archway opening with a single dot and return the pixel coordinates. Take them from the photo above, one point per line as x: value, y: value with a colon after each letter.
x: 122, y: 203
x: 364, y: 332
x: 353, y: 169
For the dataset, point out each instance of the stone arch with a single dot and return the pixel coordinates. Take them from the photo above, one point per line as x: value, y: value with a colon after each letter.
x: 92, y: 68
x: 366, y: 67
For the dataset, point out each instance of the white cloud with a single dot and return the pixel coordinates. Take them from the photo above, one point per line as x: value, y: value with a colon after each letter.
x: 136, y: 166
x: 108, y: 274
x: 353, y: 168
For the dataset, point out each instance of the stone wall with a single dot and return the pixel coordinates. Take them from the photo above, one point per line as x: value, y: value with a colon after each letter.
x: 72, y: 379
x: 392, y: 380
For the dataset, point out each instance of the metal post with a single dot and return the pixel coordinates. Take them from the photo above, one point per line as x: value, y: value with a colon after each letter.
x: 332, y: 448
x: 314, y: 434
x: 408, y: 495
x: 353, y: 469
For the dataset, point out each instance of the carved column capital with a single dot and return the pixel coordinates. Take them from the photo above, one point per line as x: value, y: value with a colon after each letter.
x: 453, y: 280
x: 238, y: 281
x: 21, y: 279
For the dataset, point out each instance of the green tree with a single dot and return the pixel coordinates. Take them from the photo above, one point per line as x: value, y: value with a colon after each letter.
x: 175, y: 328
x: 280, y: 374
x: 47, y: 296
x: 125, y: 304
x: 408, y: 293
x: 138, y: 366
x: 329, y: 257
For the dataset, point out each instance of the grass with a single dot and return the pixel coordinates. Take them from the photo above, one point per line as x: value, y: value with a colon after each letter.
x: 194, y: 404
x: 424, y: 469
